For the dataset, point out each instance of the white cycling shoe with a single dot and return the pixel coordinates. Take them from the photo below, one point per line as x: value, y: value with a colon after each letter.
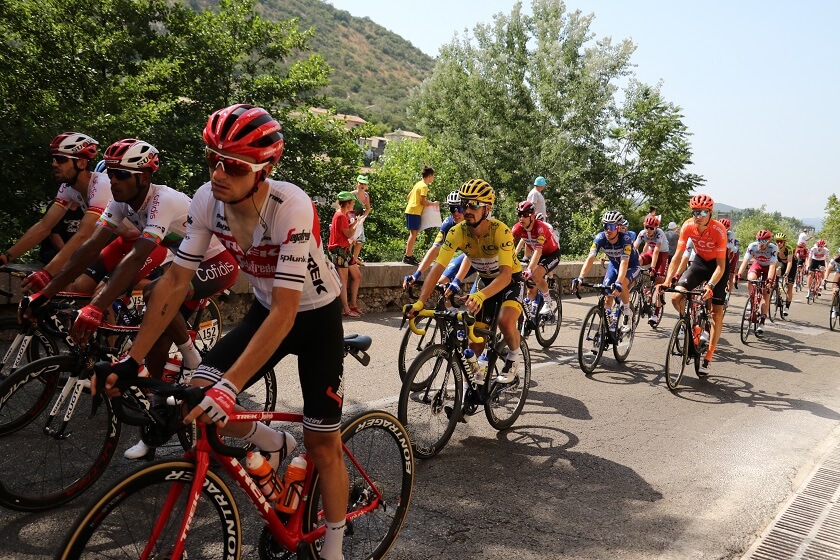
x: 139, y: 451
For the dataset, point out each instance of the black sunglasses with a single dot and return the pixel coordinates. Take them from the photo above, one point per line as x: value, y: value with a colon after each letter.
x: 120, y: 174
x: 453, y: 209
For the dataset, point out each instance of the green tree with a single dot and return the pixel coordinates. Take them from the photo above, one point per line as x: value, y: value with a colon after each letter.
x: 831, y: 225
x: 749, y: 221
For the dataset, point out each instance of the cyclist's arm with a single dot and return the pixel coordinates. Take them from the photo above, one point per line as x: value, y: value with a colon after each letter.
x: 587, y: 264
x: 464, y: 269
x: 39, y: 231
x: 431, y: 281
x: 520, y: 246
x: 122, y: 278
x: 719, y: 270
x: 80, y: 260
x: 85, y: 231
x: 622, y: 273
x: 165, y: 301
x: 656, y: 250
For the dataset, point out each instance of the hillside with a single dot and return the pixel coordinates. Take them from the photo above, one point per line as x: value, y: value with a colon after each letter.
x: 373, y: 68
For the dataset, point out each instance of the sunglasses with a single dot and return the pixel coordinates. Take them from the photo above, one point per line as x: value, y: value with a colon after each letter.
x: 120, y: 174
x: 522, y: 215
x: 59, y: 159
x: 765, y: 241
x: 474, y: 205
x: 231, y: 165
x: 699, y: 213
x: 650, y: 228
x: 610, y: 227
x: 454, y: 209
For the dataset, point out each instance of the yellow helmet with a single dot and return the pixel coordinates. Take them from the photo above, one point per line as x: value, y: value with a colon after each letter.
x: 478, y: 190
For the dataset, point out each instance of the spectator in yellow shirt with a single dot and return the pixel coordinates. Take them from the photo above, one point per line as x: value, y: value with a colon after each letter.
x: 417, y: 199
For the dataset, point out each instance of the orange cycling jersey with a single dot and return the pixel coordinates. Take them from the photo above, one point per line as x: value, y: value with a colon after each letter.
x: 709, y: 245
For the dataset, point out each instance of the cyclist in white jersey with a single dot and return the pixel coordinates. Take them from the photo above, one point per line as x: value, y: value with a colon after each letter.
x: 72, y: 153
x: 272, y: 230
x: 816, y: 260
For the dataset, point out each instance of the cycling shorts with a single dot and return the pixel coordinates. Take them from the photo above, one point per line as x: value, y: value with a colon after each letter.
x: 661, y: 262
x: 701, y: 271
x: 791, y: 276
x: 513, y: 295
x: 116, y: 250
x: 815, y: 264
x: 316, y: 338
x: 760, y: 270
x: 549, y: 262
x: 612, y: 275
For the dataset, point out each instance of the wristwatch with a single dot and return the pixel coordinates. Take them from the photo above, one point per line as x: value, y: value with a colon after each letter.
x: 710, y: 285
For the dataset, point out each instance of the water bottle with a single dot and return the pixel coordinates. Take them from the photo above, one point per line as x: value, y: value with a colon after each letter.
x: 469, y: 355
x: 172, y: 369
x: 264, y: 476
x: 704, y: 336
x: 482, y: 369
x: 292, y: 486
x: 696, y: 334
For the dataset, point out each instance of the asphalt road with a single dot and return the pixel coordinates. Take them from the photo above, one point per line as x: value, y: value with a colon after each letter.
x: 611, y: 465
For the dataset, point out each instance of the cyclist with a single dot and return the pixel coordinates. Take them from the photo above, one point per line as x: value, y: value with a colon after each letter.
x: 816, y: 261
x: 545, y: 254
x: 786, y: 258
x: 733, y: 251
x: 764, y: 255
x: 801, y: 256
x: 625, y: 228
x: 834, y: 265
x: 623, y: 268
x: 656, y: 255
x: 71, y: 153
x: 488, y: 243
x: 272, y: 230
x: 709, y: 265
x: 456, y: 212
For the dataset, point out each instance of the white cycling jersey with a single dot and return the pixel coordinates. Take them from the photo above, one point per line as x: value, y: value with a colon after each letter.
x: 162, y: 218
x: 286, y: 249
x: 819, y: 253
x: 97, y: 199
x: 651, y: 239
x: 766, y: 257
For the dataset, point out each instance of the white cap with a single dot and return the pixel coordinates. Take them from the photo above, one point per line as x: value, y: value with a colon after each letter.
x: 672, y: 225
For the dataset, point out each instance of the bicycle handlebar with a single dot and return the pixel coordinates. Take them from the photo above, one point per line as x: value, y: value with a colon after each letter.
x: 460, y: 316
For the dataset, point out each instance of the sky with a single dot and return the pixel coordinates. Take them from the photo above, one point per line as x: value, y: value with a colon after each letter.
x: 758, y: 82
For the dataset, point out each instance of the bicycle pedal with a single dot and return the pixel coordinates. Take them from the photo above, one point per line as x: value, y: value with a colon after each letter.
x: 449, y: 411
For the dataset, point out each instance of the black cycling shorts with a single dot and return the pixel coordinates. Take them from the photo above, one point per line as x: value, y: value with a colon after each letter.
x: 512, y: 295
x: 701, y: 271
x: 316, y: 338
x: 549, y: 262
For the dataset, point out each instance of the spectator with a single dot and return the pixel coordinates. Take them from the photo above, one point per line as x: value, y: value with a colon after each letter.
x: 672, y: 235
x: 341, y: 230
x: 536, y: 197
x: 804, y: 237
x: 417, y: 200
x: 361, y: 210
x: 60, y: 234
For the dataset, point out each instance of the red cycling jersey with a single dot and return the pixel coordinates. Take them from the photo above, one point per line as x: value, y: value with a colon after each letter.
x: 709, y: 245
x: 540, y: 237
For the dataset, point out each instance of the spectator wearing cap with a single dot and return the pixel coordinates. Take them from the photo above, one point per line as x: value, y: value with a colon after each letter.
x: 418, y: 199
x: 341, y: 255
x: 672, y: 235
x: 361, y: 209
x: 536, y: 197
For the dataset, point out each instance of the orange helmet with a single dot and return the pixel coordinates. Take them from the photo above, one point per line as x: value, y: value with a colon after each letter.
x: 701, y: 202
x: 651, y: 221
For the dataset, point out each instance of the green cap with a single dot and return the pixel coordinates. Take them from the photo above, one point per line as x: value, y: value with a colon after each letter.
x: 362, y: 179
x: 344, y: 196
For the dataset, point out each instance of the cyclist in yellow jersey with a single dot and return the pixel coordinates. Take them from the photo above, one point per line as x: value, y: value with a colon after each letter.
x: 489, y: 245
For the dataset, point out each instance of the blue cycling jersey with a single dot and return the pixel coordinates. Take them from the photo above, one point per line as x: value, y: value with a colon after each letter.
x: 618, y: 251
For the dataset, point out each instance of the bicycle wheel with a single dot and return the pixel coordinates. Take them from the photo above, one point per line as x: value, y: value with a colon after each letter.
x: 676, y: 356
x: 209, y: 326
x: 548, y: 324
x: 260, y: 393
x: 834, y: 312
x: 118, y: 523
x: 11, y: 342
x: 593, y: 340
x: 62, y: 459
x: 746, y: 321
x: 624, y: 342
x: 504, y: 401
x: 431, y: 412
x: 380, y: 445
x: 779, y: 304
x: 412, y: 344
x: 636, y: 306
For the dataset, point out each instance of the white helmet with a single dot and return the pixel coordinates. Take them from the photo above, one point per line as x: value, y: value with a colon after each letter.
x: 453, y: 198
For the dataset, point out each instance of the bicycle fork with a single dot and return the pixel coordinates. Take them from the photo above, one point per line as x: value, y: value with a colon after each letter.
x: 75, y: 386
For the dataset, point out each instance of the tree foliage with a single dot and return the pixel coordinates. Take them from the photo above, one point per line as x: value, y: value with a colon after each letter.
x: 746, y: 223
x: 155, y: 70
x: 831, y: 225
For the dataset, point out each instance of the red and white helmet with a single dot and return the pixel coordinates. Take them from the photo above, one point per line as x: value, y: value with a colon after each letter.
x: 651, y: 221
x: 821, y: 243
x: 764, y: 235
x: 726, y: 223
x: 131, y: 153
x: 74, y: 144
x: 526, y: 208
x: 245, y: 130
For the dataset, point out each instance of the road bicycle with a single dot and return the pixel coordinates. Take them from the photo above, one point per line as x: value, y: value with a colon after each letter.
x: 541, y: 319
x: 751, y: 317
x: 652, y: 309
x: 183, y: 508
x: 816, y: 292
x: 442, y: 388
x: 834, y: 310
x: 46, y: 408
x: 413, y: 344
x: 800, y: 278
x: 690, y: 337
x: 601, y: 328
x: 778, y: 298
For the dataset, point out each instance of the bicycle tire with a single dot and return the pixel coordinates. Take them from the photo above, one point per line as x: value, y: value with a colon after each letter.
x: 636, y: 306
x: 676, y: 356
x: 59, y: 468
x: 504, y: 402
x: 412, y: 344
x: 780, y: 303
x: 209, y: 327
x: 381, y: 445
x: 260, y: 393
x: 625, y: 342
x: 424, y: 411
x: 746, y: 321
x: 39, y: 347
x: 548, y: 325
x: 590, y: 340
x: 834, y: 312
x: 119, y: 521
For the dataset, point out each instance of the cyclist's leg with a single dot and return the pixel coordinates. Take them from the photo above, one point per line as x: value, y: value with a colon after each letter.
x: 698, y: 271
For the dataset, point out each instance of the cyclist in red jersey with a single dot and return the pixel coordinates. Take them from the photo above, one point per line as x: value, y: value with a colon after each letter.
x: 545, y: 254
x: 709, y: 264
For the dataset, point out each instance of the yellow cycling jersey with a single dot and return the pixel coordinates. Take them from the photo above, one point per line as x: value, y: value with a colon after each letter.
x: 486, y: 253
